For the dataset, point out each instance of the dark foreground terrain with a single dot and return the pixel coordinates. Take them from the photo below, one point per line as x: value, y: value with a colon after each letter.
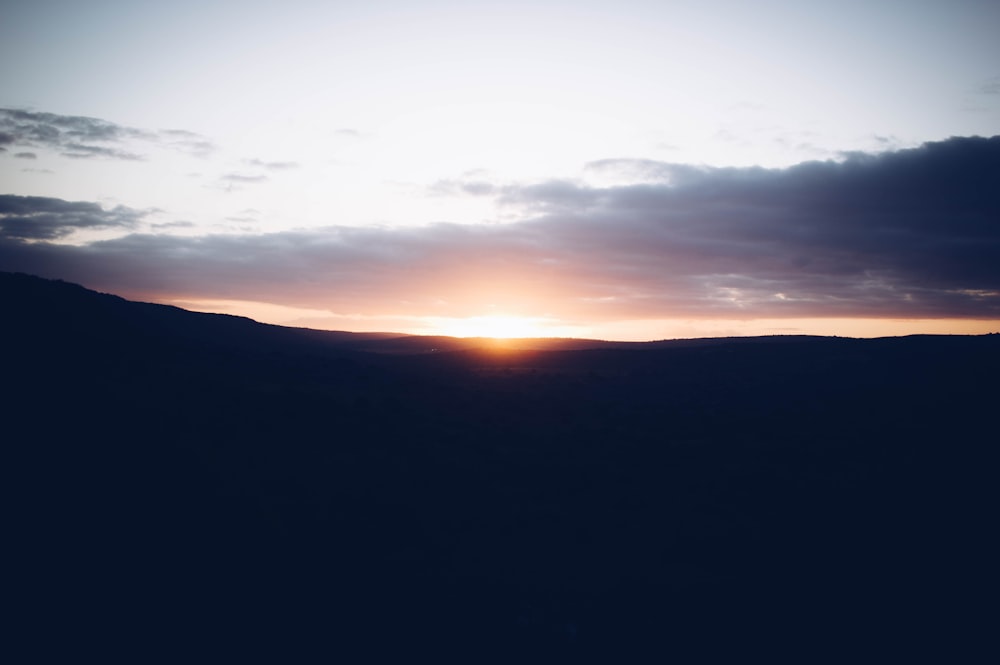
x: 204, y: 487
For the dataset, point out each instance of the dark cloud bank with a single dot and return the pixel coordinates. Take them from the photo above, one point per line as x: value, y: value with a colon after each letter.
x: 27, y: 218
x: 913, y: 233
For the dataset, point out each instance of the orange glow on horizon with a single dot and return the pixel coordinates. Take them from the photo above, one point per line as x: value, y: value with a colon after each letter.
x: 508, y: 326
x: 494, y: 326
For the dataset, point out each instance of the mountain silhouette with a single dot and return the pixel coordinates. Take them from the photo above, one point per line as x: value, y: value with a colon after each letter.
x: 187, y: 479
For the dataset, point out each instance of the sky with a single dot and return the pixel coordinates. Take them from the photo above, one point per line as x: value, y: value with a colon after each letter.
x: 617, y: 170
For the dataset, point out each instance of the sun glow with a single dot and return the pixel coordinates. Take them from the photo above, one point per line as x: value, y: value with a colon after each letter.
x: 495, y: 326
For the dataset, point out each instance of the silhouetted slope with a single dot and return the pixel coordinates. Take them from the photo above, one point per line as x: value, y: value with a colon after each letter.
x: 191, y: 479
x: 70, y: 312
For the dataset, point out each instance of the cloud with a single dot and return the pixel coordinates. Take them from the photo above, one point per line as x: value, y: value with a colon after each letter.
x: 187, y: 142
x: 630, y: 170
x: 272, y: 166
x: 181, y: 224
x: 50, y: 127
x: 551, y: 197
x: 25, y: 155
x: 462, y: 187
x: 81, y: 137
x: 991, y: 86
x: 243, y: 178
x: 907, y: 234
x: 43, y: 218
x: 83, y: 151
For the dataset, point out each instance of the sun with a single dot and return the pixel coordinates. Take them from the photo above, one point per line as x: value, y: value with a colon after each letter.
x: 495, y: 326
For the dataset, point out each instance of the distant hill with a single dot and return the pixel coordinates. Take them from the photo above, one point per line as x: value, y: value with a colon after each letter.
x: 51, y: 307
x: 183, y: 479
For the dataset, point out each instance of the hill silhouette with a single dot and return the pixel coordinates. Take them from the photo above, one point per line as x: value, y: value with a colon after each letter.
x: 188, y: 478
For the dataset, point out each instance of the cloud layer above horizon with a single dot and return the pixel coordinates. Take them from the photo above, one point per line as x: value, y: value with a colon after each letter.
x: 913, y: 233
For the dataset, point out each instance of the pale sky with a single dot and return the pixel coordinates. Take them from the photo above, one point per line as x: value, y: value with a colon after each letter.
x: 628, y: 170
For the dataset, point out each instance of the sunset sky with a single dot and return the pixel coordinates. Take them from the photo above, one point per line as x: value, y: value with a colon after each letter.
x: 618, y: 170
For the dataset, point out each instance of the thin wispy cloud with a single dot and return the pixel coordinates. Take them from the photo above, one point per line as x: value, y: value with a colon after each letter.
x: 187, y: 142
x: 459, y: 187
x: 272, y: 166
x: 991, y: 87
x: 244, y: 178
x: 84, y: 151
